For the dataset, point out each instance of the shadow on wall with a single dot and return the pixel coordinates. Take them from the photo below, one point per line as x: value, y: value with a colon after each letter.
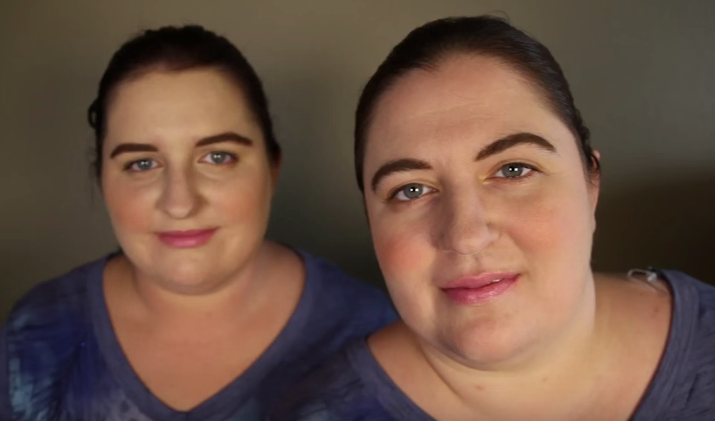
x: 317, y: 206
x: 669, y: 224
x: 57, y: 238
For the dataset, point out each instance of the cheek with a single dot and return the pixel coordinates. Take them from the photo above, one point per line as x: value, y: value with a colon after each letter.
x: 244, y: 201
x: 403, y: 250
x: 130, y: 209
x: 406, y: 257
x: 557, y: 226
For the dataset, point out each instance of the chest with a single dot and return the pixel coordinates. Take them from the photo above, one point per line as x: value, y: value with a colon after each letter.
x: 185, y: 371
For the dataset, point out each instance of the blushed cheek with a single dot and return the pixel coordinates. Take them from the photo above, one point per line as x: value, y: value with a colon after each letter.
x: 555, y: 237
x: 244, y: 204
x: 131, y: 211
x: 247, y: 208
x: 406, y: 257
x: 544, y: 227
x: 403, y: 254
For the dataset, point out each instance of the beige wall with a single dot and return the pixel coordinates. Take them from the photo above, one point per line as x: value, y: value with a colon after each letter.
x: 641, y: 71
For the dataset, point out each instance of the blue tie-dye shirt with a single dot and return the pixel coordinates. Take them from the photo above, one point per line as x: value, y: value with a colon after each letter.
x: 60, y: 358
x: 354, y: 387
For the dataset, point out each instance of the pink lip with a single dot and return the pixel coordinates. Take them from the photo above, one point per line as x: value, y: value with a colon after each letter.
x: 479, y: 289
x: 186, y: 239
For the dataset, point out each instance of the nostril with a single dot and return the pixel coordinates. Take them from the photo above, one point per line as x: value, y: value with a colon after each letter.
x: 468, y: 237
x: 179, y: 198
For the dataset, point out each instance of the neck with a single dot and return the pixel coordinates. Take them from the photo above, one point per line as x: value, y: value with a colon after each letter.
x: 528, y: 387
x: 234, y: 299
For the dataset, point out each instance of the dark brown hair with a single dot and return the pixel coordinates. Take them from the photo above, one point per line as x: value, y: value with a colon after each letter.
x: 175, y: 49
x: 426, y: 46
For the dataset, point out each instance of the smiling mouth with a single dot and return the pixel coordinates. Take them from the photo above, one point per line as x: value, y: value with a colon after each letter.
x: 186, y: 239
x: 478, y: 290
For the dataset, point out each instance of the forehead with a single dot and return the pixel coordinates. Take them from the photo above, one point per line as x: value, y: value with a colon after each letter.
x: 465, y: 95
x: 166, y: 103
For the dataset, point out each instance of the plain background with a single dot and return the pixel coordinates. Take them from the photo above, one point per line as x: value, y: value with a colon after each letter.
x: 642, y: 73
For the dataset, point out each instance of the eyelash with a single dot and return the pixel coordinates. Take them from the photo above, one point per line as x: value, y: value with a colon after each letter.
x: 532, y: 170
x: 231, y: 155
x: 128, y: 166
x: 393, y: 194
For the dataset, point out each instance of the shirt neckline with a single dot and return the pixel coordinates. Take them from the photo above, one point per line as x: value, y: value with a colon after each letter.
x: 658, y: 395
x: 227, y: 401
x: 677, y: 346
x: 389, y: 395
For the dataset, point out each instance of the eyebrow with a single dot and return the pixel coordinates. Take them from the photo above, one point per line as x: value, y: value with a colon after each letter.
x: 498, y: 146
x: 209, y: 140
x: 512, y: 140
x: 400, y: 165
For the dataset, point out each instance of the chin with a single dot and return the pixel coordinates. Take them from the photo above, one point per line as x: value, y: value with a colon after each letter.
x: 490, y: 356
x: 188, y: 280
x: 184, y: 270
x: 487, y: 346
x: 184, y: 273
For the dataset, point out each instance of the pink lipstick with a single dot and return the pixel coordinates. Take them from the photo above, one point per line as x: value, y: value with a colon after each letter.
x: 479, y: 289
x: 186, y: 239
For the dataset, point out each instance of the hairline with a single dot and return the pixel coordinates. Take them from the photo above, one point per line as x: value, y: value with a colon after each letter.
x: 542, y: 94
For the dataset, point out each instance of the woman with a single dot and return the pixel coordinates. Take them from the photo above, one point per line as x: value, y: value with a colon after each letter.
x: 198, y: 317
x: 480, y: 187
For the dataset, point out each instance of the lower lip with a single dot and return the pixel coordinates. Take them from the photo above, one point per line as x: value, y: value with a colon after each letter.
x: 471, y: 296
x: 187, y: 239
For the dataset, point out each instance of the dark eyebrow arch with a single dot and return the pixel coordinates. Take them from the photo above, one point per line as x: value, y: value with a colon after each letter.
x: 512, y: 140
x: 209, y: 140
x: 400, y: 165
x: 225, y: 137
x: 132, y: 147
x: 498, y: 146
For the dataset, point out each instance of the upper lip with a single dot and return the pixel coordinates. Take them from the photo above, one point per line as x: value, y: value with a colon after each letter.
x: 478, y: 281
x: 186, y: 233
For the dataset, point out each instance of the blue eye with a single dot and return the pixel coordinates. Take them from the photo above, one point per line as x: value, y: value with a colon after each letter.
x: 411, y: 192
x: 141, y: 165
x: 219, y: 157
x: 514, y: 170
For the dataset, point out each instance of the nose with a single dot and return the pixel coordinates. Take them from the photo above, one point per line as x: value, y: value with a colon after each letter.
x: 464, y: 226
x: 180, y: 198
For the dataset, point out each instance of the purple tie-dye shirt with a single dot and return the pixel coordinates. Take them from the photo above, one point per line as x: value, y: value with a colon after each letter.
x: 353, y: 386
x: 60, y: 359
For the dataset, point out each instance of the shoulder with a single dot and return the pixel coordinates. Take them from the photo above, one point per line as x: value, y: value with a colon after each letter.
x: 333, y: 280
x: 694, y: 316
x: 343, y: 296
x: 51, y: 315
x: 55, y: 299
x: 689, y: 362
x: 334, y: 310
x: 41, y: 335
x: 696, y: 300
x: 335, y: 392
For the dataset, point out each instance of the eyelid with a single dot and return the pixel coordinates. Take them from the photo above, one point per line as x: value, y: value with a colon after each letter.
x: 233, y: 156
x: 531, y: 167
x: 393, y: 193
x: 128, y: 166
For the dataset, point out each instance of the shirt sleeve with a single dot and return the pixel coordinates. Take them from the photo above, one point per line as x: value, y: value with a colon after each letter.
x: 5, y: 409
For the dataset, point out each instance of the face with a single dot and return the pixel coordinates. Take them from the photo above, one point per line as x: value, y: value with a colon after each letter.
x: 481, y: 216
x: 186, y: 177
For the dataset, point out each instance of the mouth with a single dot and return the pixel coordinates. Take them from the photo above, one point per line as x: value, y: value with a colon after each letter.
x: 186, y: 239
x: 479, y: 289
